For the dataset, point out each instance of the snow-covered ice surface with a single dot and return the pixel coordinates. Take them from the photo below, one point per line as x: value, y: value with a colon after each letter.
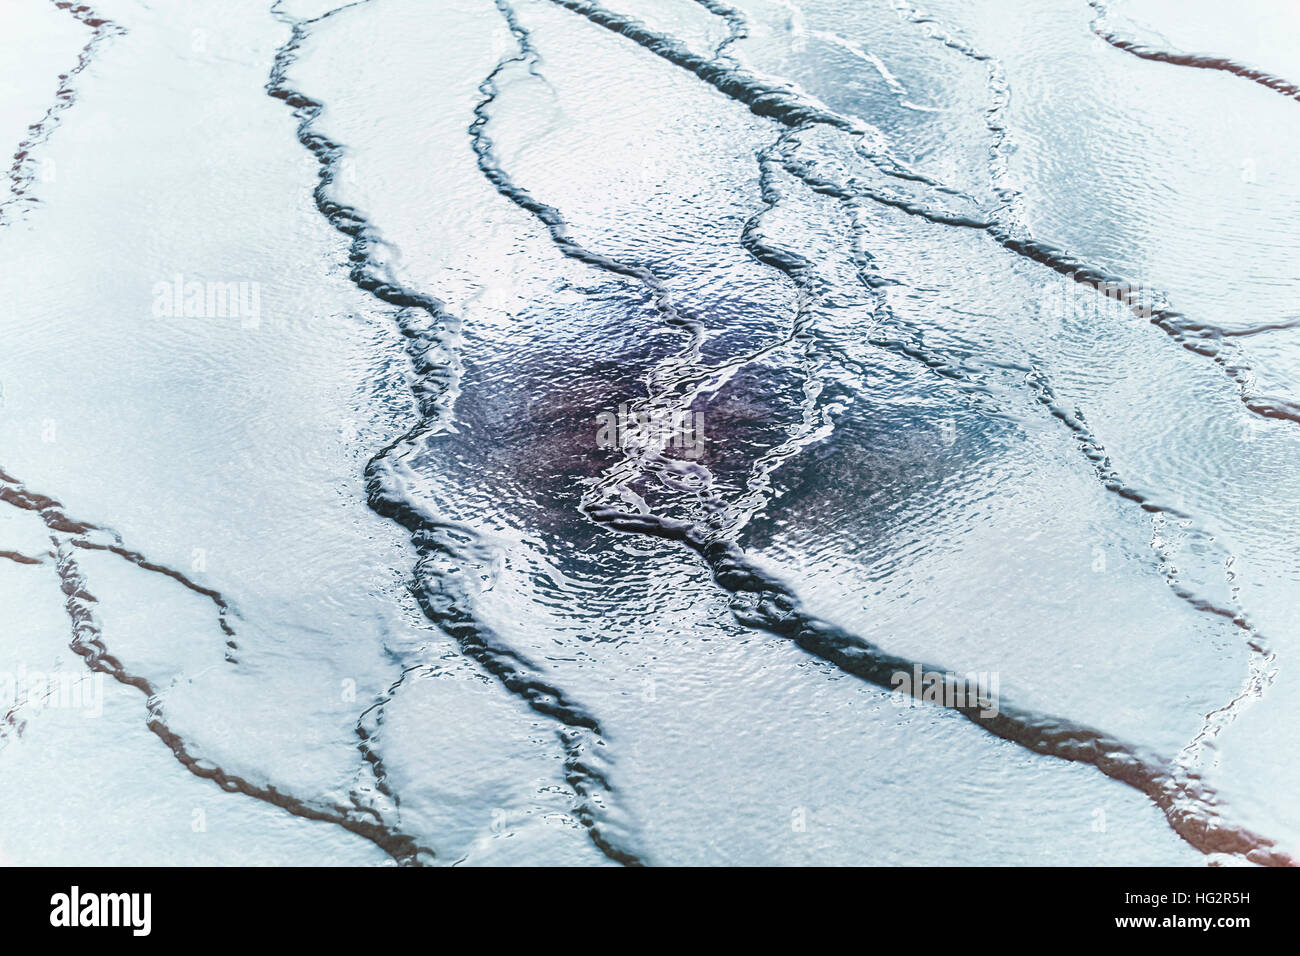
x: 555, y: 432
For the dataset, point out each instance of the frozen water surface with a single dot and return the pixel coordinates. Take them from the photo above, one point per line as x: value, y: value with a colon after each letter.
x: 658, y: 431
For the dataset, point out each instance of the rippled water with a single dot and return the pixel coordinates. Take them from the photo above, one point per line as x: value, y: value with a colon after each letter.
x: 541, y: 431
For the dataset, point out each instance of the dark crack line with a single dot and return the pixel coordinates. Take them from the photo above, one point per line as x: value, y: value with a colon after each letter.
x: 1260, y: 674
x: 79, y: 533
x: 67, y: 535
x: 788, y: 106
x: 737, y: 25
x: 797, y: 268
x: 671, y: 386
x: 761, y: 601
x: 87, y: 642
x: 1194, y: 60
x: 19, y: 558
x: 21, y: 172
x: 1204, y: 339
x: 444, y: 601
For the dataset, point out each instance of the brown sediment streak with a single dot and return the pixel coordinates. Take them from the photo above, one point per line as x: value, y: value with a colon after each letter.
x: 88, y: 643
x: 69, y: 536
x: 21, y: 173
x: 19, y: 558
x: 81, y: 534
x: 139, y: 560
x: 1196, y: 61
